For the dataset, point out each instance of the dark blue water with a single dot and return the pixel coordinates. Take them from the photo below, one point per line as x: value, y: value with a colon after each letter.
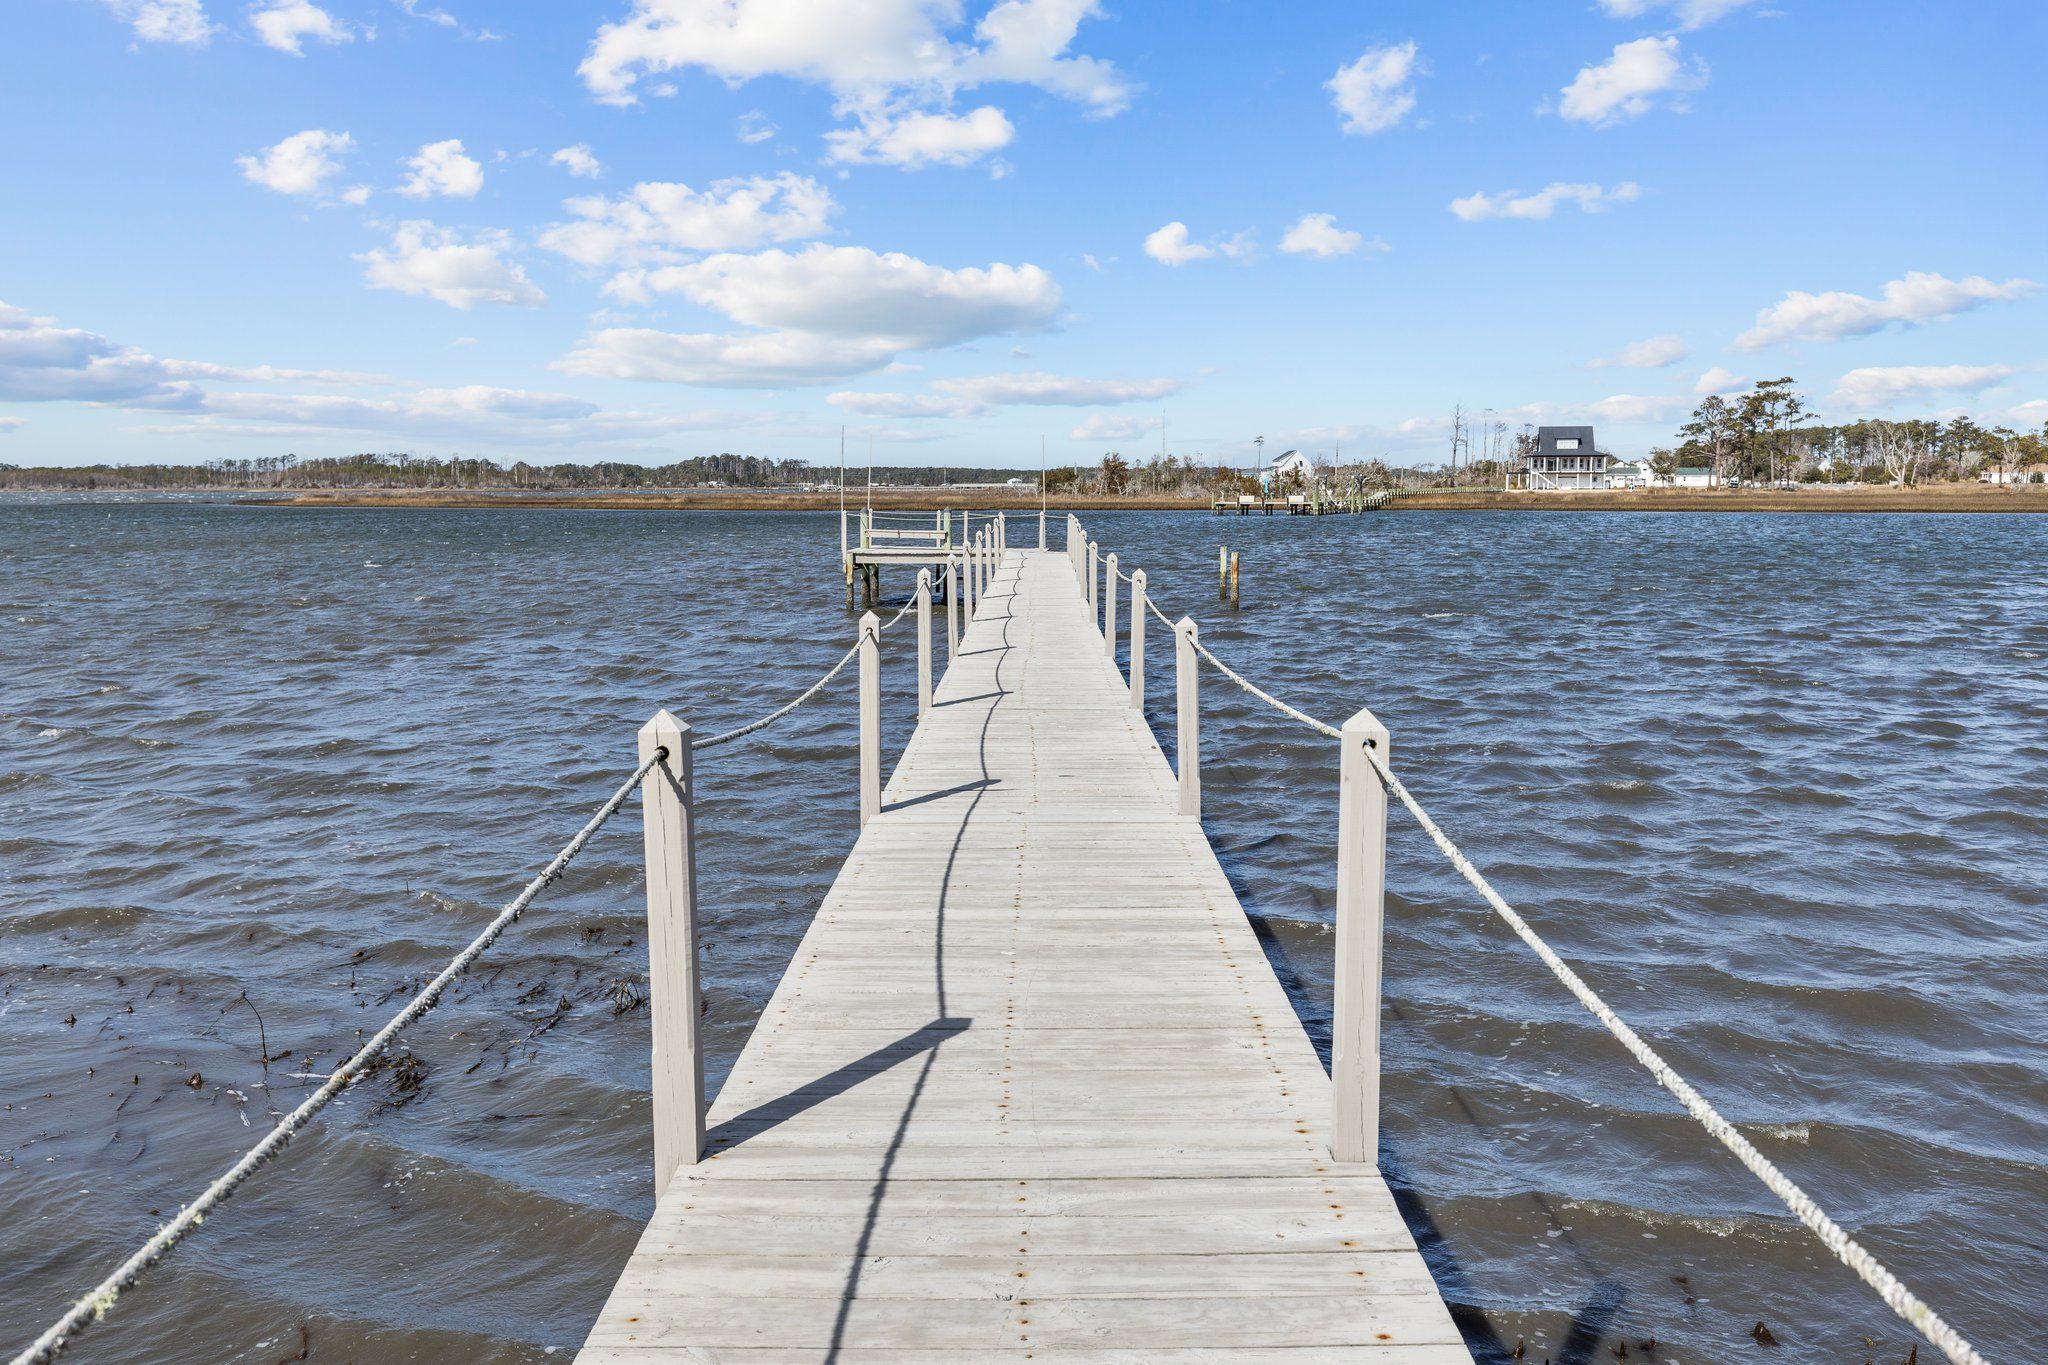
x: 1773, y: 782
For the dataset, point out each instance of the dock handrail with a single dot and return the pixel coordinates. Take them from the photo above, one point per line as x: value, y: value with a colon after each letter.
x: 1368, y: 742
x: 94, y: 1305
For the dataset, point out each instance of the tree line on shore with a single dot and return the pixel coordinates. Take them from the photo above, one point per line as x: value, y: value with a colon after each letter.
x: 1765, y: 436
x: 401, y: 471
x: 1768, y: 436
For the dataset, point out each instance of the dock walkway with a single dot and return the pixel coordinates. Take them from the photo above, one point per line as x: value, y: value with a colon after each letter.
x: 1029, y: 1089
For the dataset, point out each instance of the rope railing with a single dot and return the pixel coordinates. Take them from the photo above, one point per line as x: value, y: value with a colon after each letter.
x: 95, y: 1303
x: 713, y: 741
x: 1845, y: 1248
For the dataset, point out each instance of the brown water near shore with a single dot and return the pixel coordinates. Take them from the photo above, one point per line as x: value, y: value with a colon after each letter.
x: 1819, y: 498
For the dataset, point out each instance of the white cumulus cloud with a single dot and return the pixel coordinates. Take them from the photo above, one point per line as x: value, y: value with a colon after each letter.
x: 1630, y: 407
x: 1719, y: 380
x: 1651, y: 353
x: 1056, y: 390
x: 1374, y: 93
x: 1169, y: 245
x: 1690, y: 14
x: 1112, y: 426
x: 1630, y: 83
x: 656, y: 220
x: 1918, y: 297
x: 1880, y: 386
x: 301, y: 164
x: 164, y: 21
x: 578, y: 160
x: 906, y: 405
x: 916, y: 140
x: 458, y: 269
x: 823, y: 313
x: 41, y: 361
x: 1317, y: 235
x: 1475, y: 208
x: 886, y: 62
x: 286, y: 24
x: 440, y: 168
x: 977, y: 395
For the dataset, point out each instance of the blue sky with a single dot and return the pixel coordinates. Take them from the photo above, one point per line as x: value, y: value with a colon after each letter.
x: 646, y: 229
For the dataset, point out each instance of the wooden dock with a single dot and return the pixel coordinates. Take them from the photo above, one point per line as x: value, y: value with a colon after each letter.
x: 1029, y: 1089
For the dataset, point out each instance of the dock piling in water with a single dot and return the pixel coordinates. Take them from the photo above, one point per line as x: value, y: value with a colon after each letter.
x: 924, y: 643
x: 1187, y: 686
x: 870, y: 717
x: 1109, y: 581
x: 1361, y: 913
x: 669, y: 832
x: 1138, y: 612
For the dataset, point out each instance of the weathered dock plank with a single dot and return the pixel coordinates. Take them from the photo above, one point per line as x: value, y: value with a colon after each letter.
x: 1029, y: 1089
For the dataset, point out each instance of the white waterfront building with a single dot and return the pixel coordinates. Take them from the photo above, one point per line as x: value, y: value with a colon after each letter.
x: 1293, y: 462
x: 1565, y: 458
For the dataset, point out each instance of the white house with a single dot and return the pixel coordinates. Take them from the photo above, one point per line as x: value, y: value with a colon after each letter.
x: 1292, y: 462
x: 1629, y: 474
x: 1565, y: 458
x: 1692, y: 476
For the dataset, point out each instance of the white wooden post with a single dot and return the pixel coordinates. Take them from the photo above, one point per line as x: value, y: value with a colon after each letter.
x: 1188, y: 690
x: 870, y: 717
x: 1109, y: 608
x: 1361, y: 911
x: 667, y: 795
x: 1094, y: 583
x: 924, y: 643
x: 967, y: 576
x: 1041, y: 528
x: 952, y: 608
x: 1138, y: 614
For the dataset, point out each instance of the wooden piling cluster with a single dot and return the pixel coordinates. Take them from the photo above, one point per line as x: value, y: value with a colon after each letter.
x: 1029, y: 1089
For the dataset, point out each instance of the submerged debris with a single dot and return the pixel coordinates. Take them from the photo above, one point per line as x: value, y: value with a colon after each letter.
x: 405, y: 1075
x: 1763, y: 1335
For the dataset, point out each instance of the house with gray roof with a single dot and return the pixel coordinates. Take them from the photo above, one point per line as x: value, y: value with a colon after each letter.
x: 1565, y: 458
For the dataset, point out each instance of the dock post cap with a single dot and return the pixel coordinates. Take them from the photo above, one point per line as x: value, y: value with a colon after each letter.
x: 663, y: 724
x: 870, y: 624
x: 1365, y: 725
x: 1187, y: 625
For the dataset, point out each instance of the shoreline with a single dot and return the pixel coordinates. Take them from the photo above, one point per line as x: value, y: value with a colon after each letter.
x: 1956, y: 498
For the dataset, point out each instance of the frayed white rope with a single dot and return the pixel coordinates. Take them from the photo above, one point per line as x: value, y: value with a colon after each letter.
x: 779, y: 712
x: 1267, y: 697
x: 1846, y: 1249
x: 94, y: 1305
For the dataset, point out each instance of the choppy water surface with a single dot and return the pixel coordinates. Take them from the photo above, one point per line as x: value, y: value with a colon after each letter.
x: 1774, y: 783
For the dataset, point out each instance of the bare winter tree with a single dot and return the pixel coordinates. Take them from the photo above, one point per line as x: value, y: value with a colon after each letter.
x: 1897, y: 447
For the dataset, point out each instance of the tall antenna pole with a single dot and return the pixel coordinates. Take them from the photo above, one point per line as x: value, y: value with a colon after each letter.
x: 871, y: 471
